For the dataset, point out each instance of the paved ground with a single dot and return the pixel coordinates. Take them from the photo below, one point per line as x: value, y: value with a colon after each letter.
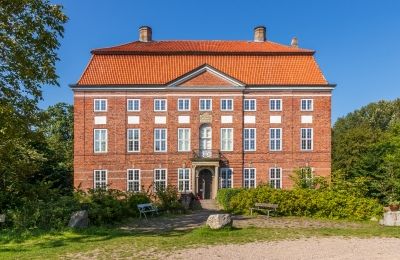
x: 311, y: 248
x: 199, y: 218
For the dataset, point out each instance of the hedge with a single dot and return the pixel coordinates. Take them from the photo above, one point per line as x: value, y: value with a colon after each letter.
x: 302, y: 202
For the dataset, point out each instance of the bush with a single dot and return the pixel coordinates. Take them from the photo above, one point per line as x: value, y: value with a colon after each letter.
x: 52, y: 214
x: 132, y: 200
x: 224, y: 196
x: 304, y: 202
x: 168, y: 199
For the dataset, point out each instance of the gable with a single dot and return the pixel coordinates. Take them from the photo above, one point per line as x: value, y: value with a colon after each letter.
x: 205, y: 76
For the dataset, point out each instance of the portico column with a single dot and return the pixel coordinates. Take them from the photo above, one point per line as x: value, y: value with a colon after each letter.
x: 215, y: 182
x: 193, y: 180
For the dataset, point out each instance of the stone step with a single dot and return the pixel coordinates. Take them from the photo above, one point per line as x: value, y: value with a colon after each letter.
x: 209, y: 204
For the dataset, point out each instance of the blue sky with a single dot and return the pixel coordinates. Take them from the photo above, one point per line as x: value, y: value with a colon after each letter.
x: 357, y: 42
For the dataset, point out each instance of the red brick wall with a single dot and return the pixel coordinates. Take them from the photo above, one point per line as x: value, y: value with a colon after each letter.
x: 117, y: 160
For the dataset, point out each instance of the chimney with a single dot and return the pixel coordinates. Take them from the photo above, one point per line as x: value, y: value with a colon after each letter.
x: 145, y: 34
x: 260, y: 34
x: 295, y: 42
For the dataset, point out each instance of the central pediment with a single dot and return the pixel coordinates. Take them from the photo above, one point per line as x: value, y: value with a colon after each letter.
x: 206, y: 76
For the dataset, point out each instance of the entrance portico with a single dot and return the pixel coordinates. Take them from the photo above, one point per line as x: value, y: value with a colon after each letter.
x: 205, y: 179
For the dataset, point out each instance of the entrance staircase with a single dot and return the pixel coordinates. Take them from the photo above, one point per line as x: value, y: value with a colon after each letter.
x: 209, y: 205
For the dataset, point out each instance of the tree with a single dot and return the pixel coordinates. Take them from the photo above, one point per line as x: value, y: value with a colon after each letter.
x: 29, y: 38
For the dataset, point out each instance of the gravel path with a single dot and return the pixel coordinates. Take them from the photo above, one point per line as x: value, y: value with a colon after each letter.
x: 310, y: 248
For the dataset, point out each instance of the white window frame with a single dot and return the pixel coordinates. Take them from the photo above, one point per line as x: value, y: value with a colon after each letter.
x: 274, y: 107
x: 160, y: 180
x: 226, y: 101
x: 275, y: 140
x: 249, y: 140
x: 308, y: 101
x: 102, y: 183
x: 307, y: 139
x: 224, y: 181
x: 272, y: 181
x: 247, y: 181
x: 100, y: 141
x: 183, y: 100
x: 161, y: 140
x: 226, y: 141
x: 133, y: 105
x: 132, y: 140
x: 134, y: 180
x: 249, y: 100
x: 100, y: 109
x: 201, y: 100
x: 184, y: 184
x: 160, y: 106
x: 184, y: 140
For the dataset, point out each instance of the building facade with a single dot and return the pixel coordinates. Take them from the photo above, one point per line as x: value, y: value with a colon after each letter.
x: 200, y: 115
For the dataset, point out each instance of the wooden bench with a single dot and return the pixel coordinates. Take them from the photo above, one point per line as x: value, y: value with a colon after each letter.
x: 147, y: 208
x: 267, y: 207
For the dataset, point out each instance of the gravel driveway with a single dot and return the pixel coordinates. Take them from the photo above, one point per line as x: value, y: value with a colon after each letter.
x: 310, y: 248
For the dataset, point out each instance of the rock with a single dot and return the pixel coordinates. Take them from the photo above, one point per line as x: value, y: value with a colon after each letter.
x: 79, y: 219
x: 218, y: 221
x: 391, y: 218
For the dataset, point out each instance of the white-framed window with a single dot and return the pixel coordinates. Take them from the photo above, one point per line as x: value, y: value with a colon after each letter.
x: 249, y: 139
x: 133, y: 105
x: 133, y: 138
x: 307, y: 175
x: 275, y: 105
x: 306, y: 139
x: 160, y: 105
x: 249, y: 177
x: 275, y: 139
x: 183, y: 104
x: 100, y: 179
x: 205, y: 104
x: 183, y: 139
x: 133, y: 180
x: 183, y: 179
x: 100, y: 105
x: 160, y: 140
x: 226, y: 104
x: 306, y: 105
x: 160, y: 179
x: 100, y: 140
x: 275, y: 178
x: 226, y: 178
x: 249, y: 105
x: 226, y: 139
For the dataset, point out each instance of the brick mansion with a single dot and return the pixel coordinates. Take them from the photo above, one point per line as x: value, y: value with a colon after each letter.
x: 200, y: 115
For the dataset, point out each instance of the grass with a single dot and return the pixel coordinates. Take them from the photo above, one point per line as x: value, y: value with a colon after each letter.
x: 116, y: 243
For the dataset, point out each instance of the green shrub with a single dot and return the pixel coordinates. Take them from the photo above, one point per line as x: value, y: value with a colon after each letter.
x: 305, y: 202
x: 168, y: 198
x: 132, y: 200
x: 224, y: 196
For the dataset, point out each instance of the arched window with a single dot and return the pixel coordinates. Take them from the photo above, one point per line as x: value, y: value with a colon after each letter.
x: 205, y: 140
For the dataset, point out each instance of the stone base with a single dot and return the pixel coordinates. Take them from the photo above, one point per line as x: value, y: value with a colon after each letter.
x: 390, y: 218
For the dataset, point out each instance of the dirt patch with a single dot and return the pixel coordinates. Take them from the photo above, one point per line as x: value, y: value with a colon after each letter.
x: 311, y: 248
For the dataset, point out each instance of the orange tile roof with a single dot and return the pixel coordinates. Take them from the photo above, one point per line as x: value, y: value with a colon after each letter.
x: 202, y: 47
x: 157, y: 63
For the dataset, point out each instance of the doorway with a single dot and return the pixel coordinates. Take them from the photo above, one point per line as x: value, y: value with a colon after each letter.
x: 204, y: 184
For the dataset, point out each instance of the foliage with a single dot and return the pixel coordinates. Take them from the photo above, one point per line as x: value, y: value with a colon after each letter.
x: 366, y: 149
x: 168, y: 198
x: 110, y: 206
x: 224, y: 197
x: 323, y: 203
x: 303, y: 179
x: 29, y: 34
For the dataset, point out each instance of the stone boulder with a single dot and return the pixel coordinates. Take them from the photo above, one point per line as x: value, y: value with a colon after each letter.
x: 218, y: 221
x: 390, y: 218
x: 79, y: 219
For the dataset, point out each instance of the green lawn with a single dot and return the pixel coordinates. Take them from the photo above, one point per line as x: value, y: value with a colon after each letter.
x: 111, y: 243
